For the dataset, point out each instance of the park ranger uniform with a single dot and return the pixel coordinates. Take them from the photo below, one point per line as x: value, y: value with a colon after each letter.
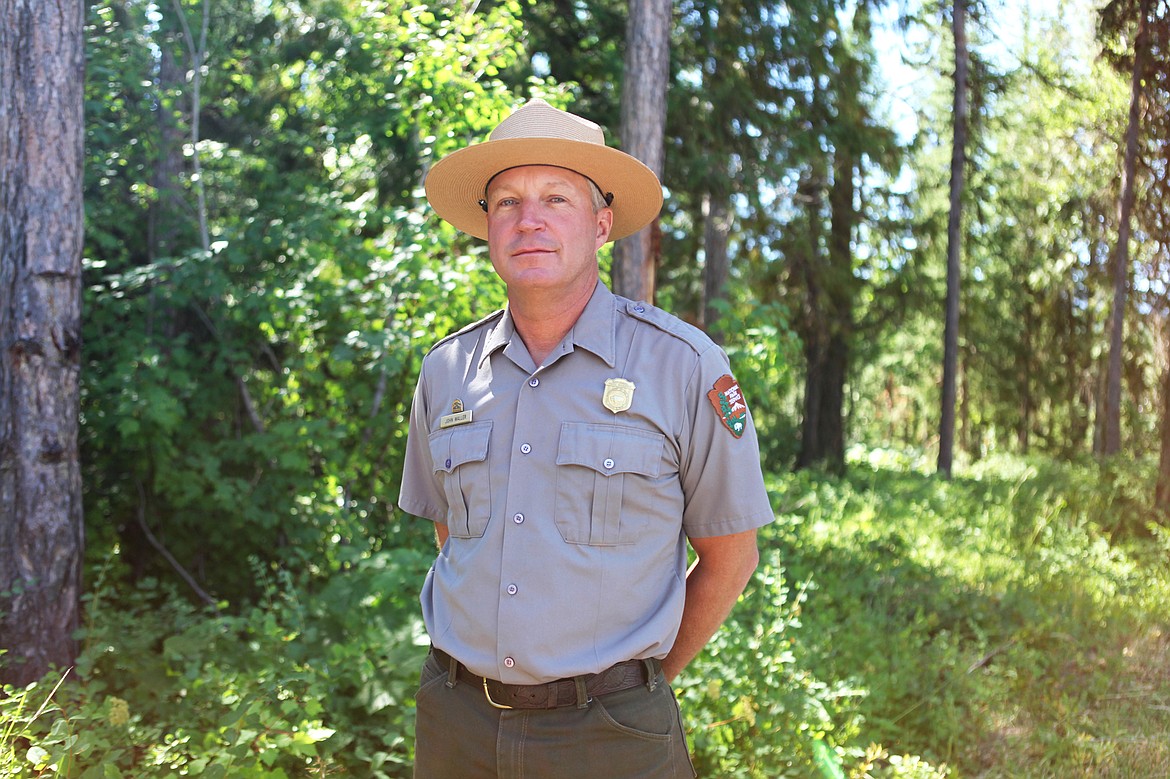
x: 569, y: 488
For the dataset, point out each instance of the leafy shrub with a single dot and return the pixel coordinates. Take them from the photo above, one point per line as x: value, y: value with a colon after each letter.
x: 300, y: 683
x: 979, y: 614
x: 899, y: 627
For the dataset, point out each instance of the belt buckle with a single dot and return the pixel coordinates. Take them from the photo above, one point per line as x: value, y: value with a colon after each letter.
x: 487, y: 694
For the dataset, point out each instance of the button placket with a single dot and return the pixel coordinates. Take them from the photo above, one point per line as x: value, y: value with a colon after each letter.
x: 527, y: 466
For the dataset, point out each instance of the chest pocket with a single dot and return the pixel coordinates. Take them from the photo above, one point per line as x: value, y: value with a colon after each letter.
x: 460, y: 458
x: 607, y: 477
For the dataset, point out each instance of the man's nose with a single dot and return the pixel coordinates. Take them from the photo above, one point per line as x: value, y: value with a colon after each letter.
x: 531, y: 215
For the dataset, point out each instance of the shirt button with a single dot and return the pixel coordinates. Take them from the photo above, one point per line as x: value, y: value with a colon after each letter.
x: 525, y: 448
x: 448, y: 463
x: 509, y: 662
x: 608, y: 463
x: 512, y: 589
x: 534, y: 382
x: 518, y: 518
x: 640, y: 308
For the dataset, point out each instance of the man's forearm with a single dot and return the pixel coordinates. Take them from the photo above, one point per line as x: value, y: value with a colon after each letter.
x: 724, y: 566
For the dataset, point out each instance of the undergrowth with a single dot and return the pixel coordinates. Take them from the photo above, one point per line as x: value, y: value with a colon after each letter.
x: 992, y: 620
x: 1007, y: 623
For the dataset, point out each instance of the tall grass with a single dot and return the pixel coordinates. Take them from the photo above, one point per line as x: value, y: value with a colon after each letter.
x: 1010, y: 622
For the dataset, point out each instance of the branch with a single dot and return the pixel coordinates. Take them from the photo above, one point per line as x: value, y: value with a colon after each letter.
x: 210, y: 601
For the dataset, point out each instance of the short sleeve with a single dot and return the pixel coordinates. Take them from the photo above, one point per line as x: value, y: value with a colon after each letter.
x: 422, y: 492
x: 722, y: 480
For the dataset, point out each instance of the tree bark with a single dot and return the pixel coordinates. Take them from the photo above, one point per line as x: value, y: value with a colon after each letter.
x: 822, y: 439
x: 167, y: 217
x: 946, y: 436
x: 716, y: 234
x: 647, y: 69
x: 1111, y: 443
x: 827, y: 341
x: 1162, y: 490
x: 41, y: 222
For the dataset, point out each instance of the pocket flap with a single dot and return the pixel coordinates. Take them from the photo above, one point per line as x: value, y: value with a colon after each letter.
x: 611, y: 449
x: 459, y: 445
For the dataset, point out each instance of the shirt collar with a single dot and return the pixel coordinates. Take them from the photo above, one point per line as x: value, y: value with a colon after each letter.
x: 595, y: 330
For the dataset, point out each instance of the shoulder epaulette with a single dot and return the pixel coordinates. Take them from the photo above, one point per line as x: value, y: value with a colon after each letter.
x: 668, y: 323
x: 468, y: 328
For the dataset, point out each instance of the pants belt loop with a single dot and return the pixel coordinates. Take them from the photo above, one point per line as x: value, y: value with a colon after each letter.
x: 652, y: 668
x: 583, y: 699
x: 452, y: 673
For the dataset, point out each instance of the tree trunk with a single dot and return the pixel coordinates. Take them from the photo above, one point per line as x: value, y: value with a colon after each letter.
x: 1112, y: 440
x: 167, y: 217
x: 1024, y: 364
x: 647, y: 70
x: 1162, y: 491
x: 41, y: 149
x: 822, y: 439
x: 827, y: 343
x: 946, y: 436
x: 716, y: 231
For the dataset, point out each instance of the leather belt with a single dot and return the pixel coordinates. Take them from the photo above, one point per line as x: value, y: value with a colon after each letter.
x: 576, y: 691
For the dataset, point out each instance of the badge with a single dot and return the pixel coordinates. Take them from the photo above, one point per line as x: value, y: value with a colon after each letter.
x: 729, y: 404
x: 619, y: 395
x: 457, y: 416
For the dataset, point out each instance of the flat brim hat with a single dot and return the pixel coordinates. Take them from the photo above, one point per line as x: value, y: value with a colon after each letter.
x: 538, y: 134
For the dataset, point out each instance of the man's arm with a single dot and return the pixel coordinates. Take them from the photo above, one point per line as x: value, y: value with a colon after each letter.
x: 724, y: 566
x: 441, y: 533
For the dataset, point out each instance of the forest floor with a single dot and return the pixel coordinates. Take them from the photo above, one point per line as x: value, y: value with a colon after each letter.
x: 1133, y: 718
x: 999, y: 630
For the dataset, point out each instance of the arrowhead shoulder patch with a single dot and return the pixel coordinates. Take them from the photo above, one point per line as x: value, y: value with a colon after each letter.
x: 729, y: 404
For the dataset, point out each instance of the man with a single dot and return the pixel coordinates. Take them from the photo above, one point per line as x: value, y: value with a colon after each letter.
x: 567, y: 448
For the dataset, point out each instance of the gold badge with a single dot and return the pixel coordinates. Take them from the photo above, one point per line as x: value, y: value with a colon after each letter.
x: 457, y: 416
x: 619, y: 395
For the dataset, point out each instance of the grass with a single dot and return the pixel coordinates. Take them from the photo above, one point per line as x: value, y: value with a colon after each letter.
x: 1011, y: 622
x: 1008, y: 623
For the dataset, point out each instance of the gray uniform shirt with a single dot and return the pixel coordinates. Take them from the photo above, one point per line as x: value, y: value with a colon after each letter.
x: 568, y: 500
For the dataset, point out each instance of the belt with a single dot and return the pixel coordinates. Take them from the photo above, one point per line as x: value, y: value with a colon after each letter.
x: 577, y: 691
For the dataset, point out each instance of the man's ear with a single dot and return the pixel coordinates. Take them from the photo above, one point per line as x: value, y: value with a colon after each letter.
x: 604, y: 226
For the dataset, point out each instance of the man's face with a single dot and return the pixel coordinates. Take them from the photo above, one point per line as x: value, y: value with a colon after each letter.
x: 543, y: 233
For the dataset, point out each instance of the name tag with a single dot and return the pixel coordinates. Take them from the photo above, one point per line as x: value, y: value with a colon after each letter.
x: 458, y: 418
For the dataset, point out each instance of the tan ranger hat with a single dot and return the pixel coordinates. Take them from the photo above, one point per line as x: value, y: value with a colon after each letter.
x: 538, y: 134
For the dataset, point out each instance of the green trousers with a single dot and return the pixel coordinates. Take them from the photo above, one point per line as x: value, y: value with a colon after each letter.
x: 632, y: 733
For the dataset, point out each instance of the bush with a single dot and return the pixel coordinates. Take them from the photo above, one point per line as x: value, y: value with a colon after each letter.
x: 299, y: 684
x: 899, y: 627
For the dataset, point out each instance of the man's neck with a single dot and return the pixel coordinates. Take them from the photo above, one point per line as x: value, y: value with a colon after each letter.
x: 542, y: 320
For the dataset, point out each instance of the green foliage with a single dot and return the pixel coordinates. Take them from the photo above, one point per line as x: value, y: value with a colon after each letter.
x: 983, y: 617
x: 304, y: 682
x: 244, y: 407
x: 899, y: 626
x: 763, y: 723
x: 250, y: 401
